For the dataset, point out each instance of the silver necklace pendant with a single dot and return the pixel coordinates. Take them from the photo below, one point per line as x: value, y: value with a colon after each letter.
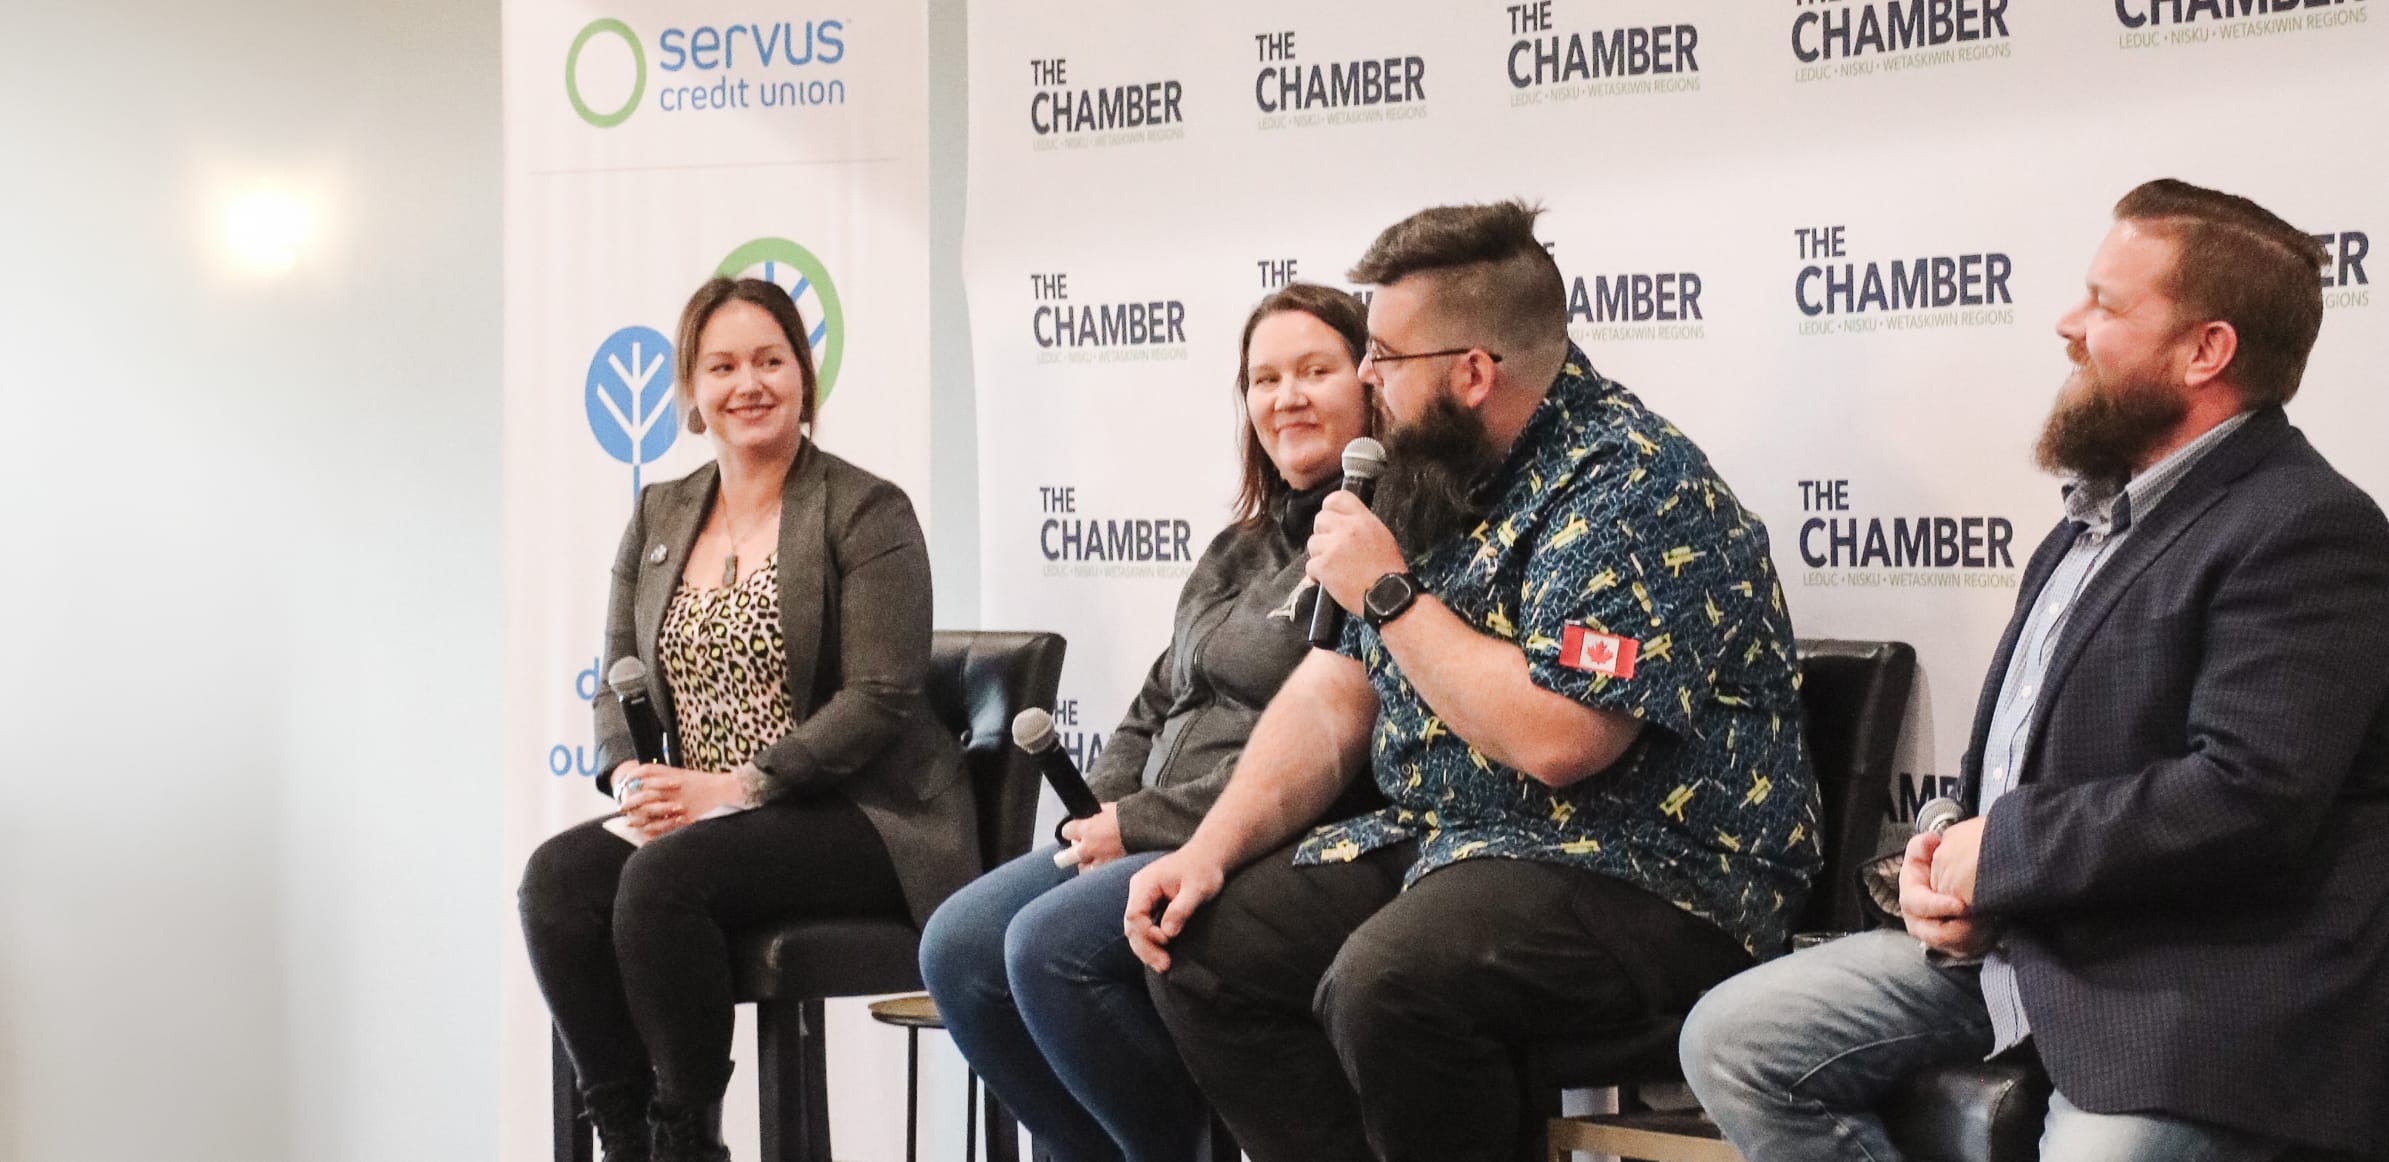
x: 730, y: 569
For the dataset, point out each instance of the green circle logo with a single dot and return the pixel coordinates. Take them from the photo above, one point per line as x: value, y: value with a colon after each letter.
x: 795, y: 270
x: 572, y: 69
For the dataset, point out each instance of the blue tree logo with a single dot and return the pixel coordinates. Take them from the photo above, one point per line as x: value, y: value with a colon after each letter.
x: 631, y: 409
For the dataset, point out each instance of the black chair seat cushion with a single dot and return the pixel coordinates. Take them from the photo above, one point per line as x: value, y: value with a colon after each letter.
x: 807, y: 959
x: 1855, y: 695
x: 1984, y: 1111
x: 976, y: 682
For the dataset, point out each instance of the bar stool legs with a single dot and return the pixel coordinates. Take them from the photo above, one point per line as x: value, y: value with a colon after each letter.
x: 1003, y: 1134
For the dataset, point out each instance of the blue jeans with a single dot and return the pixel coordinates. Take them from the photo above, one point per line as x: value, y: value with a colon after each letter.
x: 1037, y: 986
x: 1793, y: 1057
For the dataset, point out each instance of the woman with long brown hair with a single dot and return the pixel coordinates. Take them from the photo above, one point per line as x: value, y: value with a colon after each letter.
x: 1029, y: 967
x: 779, y: 600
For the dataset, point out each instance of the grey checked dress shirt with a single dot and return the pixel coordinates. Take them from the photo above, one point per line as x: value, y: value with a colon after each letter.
x: 2103, y: 515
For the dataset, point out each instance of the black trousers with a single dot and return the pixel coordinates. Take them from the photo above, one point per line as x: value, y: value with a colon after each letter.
x: 1330, y: 1015
x: 631, y: 945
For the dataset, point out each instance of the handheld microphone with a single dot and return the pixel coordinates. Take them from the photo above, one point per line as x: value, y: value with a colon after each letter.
x: 649, y: 739
x: 1032, y: 731
x: 1936, y: 816
x: 1364, y: 458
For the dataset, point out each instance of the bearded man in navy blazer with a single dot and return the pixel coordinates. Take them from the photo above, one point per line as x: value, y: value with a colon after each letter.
x: 2174, y: 884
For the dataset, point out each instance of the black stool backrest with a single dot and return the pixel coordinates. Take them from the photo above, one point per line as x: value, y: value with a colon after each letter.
x: 979, y: 679
x: 1855, y: 696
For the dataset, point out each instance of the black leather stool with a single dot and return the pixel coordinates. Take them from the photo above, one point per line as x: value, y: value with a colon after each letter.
x: 1856, y: 696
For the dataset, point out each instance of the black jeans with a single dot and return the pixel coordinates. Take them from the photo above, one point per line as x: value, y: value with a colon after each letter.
x: 631, y: 945
x: 1327, y: 1013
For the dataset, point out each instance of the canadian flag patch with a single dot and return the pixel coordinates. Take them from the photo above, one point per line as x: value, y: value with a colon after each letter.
x: 1598, y: 653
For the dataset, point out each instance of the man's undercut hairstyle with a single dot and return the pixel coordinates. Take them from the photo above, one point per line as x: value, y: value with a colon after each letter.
x: 1491, y: 280
x: 2239, y: 263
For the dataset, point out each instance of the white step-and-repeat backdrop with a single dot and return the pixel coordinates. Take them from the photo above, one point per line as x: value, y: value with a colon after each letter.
x: 1829, y: 239
x: 649, y: 145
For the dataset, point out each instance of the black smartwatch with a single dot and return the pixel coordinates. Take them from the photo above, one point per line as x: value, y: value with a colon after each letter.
x: 1389, y: 597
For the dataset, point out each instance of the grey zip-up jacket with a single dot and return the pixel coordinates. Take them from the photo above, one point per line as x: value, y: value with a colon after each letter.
x: 1236, y: 637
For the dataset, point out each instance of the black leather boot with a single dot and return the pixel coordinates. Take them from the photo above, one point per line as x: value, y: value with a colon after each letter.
x: 620, y: 1114
x: 687, y: 1134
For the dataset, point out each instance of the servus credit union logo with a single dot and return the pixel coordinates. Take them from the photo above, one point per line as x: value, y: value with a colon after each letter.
x: 611, y: 72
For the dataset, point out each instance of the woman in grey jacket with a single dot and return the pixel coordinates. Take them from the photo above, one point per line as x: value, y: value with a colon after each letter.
x: 1029, y: 966
x: 779, y: 599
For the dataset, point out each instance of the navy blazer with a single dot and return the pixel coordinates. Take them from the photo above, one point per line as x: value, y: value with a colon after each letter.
x: 2193, y: 873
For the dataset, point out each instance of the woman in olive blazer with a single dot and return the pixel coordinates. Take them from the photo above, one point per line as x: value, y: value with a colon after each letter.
x: 779, y: 600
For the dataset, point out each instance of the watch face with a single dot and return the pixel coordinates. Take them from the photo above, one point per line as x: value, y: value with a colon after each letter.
x: 1390, y: 595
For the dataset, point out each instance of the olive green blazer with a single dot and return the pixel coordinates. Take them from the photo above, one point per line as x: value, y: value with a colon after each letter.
x: 855, y: 613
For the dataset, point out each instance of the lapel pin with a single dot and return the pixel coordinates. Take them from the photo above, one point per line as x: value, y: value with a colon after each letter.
x: 658, y: 553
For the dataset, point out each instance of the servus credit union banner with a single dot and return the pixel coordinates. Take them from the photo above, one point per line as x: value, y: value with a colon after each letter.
x: 649, y: 146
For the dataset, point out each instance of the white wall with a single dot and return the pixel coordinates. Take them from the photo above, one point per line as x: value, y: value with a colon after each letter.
x: 954, y: 455
x: 954, y: 428
x: 250, y: 901
x: 251, y: 904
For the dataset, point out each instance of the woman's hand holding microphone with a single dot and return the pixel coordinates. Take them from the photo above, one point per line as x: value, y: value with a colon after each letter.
x: 1095, y: 838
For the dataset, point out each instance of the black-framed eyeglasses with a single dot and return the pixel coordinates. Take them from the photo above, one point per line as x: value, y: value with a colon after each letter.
x: 1376, y: 354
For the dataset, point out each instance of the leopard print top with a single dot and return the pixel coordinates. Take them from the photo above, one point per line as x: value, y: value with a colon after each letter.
x: 722, y: 652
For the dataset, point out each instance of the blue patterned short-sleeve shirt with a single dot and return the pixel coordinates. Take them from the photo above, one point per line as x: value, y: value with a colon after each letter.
x: 1634, y: 582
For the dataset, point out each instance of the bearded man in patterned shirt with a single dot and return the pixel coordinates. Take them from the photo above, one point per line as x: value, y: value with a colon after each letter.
x: 1573, y: 679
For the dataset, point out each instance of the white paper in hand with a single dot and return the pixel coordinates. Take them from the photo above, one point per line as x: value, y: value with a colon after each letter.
x: 621, y: 826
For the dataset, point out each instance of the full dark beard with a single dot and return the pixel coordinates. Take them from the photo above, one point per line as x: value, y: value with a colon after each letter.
x: 2102, y: 430
x: 1434, y: 466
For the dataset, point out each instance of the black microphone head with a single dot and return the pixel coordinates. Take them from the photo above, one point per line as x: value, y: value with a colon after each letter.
x: 1032, y: 731
x: 1364, y: 458
x: 628, y: 677
x: 1938, y: 814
